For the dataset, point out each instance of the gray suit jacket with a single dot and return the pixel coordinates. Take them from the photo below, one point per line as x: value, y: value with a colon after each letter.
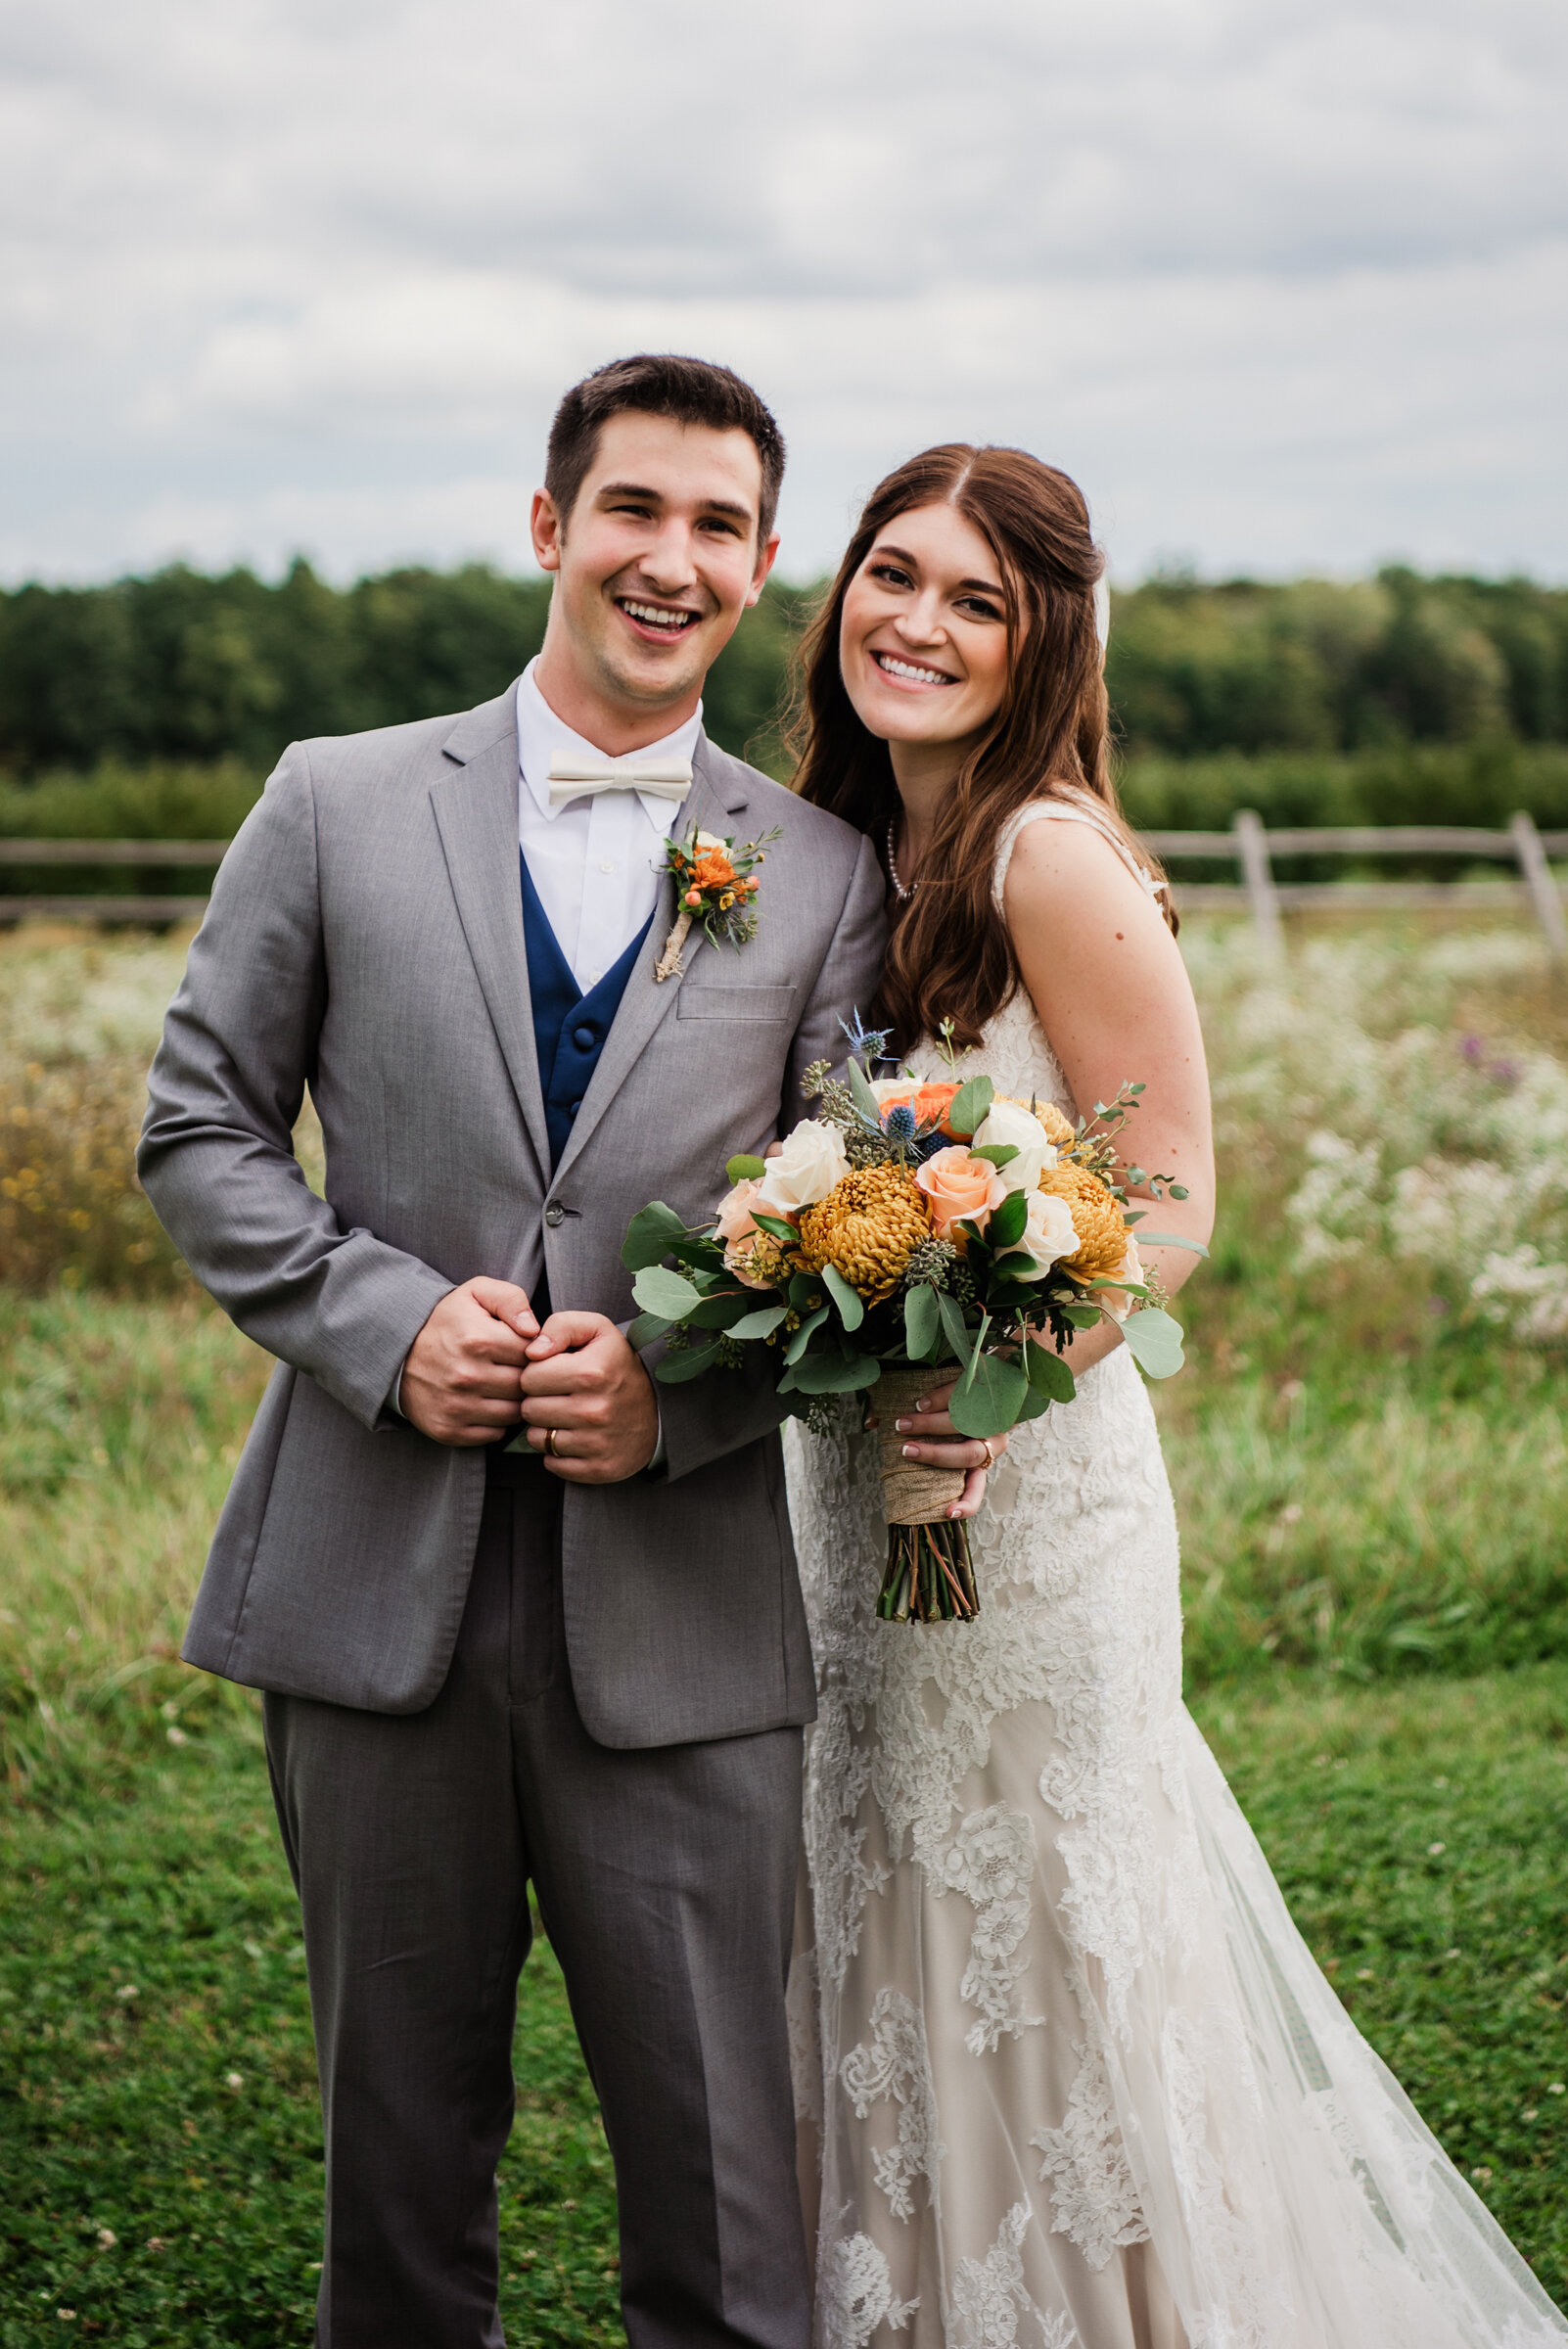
x: 365, y: 937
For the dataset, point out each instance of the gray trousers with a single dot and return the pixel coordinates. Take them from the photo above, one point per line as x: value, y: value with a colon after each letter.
x: 666, y: 1882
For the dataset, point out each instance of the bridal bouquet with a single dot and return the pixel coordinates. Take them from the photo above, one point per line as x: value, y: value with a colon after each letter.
x: 906, y: 1233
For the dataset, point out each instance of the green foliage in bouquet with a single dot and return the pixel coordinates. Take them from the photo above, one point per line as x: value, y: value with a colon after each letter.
x: 911, y: 1227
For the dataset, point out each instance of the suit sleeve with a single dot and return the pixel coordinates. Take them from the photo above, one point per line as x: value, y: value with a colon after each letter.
x: 217, y: 1156
x: 711, y: 1416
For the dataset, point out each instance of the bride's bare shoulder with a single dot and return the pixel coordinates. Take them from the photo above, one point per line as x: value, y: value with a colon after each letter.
x: 1064, y: 872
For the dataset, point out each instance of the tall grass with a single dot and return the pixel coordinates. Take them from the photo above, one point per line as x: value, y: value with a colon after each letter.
x: 1368, y: 1455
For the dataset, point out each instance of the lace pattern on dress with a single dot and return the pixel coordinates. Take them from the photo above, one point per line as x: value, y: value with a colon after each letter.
x: 855, y: 2294
x: 991, y: 1860
x: 989, y: 2297
x: 897, y: 2065
x: 1215, y: 2104
x: 1093, y: 2194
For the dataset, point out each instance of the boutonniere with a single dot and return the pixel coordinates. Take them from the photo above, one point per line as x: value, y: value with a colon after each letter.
x: 716, y: 885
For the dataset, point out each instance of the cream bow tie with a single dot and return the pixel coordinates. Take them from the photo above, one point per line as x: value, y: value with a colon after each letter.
x: 573, y: 777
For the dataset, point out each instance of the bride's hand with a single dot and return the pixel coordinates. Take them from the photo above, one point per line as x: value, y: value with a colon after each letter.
x: 935, y: 1442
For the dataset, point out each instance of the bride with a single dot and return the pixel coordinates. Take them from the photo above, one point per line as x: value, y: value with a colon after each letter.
x: 1068, y: 2075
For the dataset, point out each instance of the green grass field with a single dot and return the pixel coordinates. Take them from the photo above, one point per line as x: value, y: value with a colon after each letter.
x: 1372, y: 1481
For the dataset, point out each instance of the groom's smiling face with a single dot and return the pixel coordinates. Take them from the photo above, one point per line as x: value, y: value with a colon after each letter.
x: 654, y: 566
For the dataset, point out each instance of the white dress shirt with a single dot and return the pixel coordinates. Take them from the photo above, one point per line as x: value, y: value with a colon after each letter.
x: 594, y: 861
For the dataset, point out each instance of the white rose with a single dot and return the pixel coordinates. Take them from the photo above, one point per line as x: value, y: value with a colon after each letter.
x: 1116, y: 1303
x: 810, y: 1163
x: 889, y: 1089
x: 711, y: 839
x: 1007, y: 1127
x: 1049, y: 1235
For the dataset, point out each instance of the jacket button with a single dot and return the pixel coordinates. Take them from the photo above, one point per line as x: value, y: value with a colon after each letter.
x: 585, y: 1039
x: 554, y: 1214
x: 572, y: 1110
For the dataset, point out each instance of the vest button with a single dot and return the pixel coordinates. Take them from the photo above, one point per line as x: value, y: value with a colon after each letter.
x: 585, y: 1039
x: 554, y: 1214
x: 572, y: 1110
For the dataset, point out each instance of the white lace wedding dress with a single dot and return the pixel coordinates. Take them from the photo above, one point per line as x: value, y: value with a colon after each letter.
x: 1073, y: 2079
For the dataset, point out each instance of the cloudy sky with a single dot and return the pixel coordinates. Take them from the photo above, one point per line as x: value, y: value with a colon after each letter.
x: 1284, y: 283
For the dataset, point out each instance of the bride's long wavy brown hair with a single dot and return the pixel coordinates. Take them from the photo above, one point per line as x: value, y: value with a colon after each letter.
x: 948, y: 956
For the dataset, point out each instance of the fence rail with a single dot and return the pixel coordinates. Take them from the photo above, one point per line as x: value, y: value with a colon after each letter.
x: 1249, y: 844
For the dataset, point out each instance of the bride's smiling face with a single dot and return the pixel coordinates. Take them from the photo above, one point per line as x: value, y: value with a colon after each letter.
x: 923, y: 634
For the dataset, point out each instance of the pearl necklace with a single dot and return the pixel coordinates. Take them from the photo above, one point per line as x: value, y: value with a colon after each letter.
x: 901, y: 894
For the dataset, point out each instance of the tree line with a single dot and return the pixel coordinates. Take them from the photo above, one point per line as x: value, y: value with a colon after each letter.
x: 185, y: 666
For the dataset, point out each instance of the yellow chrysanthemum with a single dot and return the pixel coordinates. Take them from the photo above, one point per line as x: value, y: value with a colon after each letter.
x: 1097, y: 1220
x: 865, y: 1228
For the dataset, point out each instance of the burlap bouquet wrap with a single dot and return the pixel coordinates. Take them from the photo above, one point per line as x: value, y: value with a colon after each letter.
x: 911, y: 1494
x: 929, y: 1576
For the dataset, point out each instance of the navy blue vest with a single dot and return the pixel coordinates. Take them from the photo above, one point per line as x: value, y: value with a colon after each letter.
x: 570, y: 1027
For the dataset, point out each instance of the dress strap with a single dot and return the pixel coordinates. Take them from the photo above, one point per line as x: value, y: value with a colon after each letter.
x: 1068, y: 805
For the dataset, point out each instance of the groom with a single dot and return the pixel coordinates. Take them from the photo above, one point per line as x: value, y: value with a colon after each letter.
x: 577, y: 1659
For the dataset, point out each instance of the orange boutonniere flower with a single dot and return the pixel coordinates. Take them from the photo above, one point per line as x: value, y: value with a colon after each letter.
x: 715, y: 884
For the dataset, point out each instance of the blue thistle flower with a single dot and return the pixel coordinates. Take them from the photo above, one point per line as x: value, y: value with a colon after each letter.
x: 867, y: 1043
x: 900, y: 1123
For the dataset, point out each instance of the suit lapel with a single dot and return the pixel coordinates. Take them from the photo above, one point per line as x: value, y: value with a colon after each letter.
x: 476, y: 814
x: 717, y: 795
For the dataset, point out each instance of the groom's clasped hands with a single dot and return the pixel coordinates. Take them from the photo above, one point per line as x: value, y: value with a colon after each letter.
x: 483, y: 1365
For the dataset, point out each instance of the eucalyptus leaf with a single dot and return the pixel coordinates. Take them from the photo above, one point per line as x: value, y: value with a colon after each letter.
x: 1048, y: 1373
x: 802, y: 1336
x: 836, y: 1374
x: 1083, y: 1316
x: 970, y: 1107
x: 1034, y: 1405
x: 646, y: 1330
x: 689, y: 1363
x: 922, y: 1322
x: 1154, y: 1341
x: 852, y: 1307
x: 721, y: 1311
x: 659, y: 1291
x: 650, y: 1235
x: 989, y: 1402
x: 999, y: 1154
x: 860, y: 1093
x: 1171, y: 1239
x: 952, y: 1323
x: 743, y: 1167
x: 758, y: 1324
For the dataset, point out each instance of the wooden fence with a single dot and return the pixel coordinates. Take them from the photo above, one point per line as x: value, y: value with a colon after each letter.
x: 1247, y: 845
x: 1255, y: 848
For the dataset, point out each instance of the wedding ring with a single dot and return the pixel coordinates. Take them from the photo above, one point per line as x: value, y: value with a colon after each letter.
x: 552, y: 1451
x: 991, y: 1457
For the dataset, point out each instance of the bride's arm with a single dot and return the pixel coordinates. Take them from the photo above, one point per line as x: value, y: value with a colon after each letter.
x: 1111, y: 992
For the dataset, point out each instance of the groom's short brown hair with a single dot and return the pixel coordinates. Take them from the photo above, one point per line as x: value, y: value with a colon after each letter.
x: 658, y: 383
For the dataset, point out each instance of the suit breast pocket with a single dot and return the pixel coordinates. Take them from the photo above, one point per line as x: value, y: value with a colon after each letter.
x: 735, y: 1003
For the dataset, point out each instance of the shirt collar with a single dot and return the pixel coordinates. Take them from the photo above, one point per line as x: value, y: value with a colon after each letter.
x: 540, y: 734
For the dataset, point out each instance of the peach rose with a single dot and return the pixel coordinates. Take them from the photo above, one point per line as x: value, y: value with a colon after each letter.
x: 735, y: 1225
x: 931, y: 1104
x: 959, y: 1188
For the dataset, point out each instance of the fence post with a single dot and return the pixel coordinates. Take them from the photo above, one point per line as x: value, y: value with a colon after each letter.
x: 1542, y: 888
x: 1252, y: 849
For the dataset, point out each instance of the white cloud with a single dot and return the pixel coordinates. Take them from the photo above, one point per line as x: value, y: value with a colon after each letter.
x: 1282, y: 284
